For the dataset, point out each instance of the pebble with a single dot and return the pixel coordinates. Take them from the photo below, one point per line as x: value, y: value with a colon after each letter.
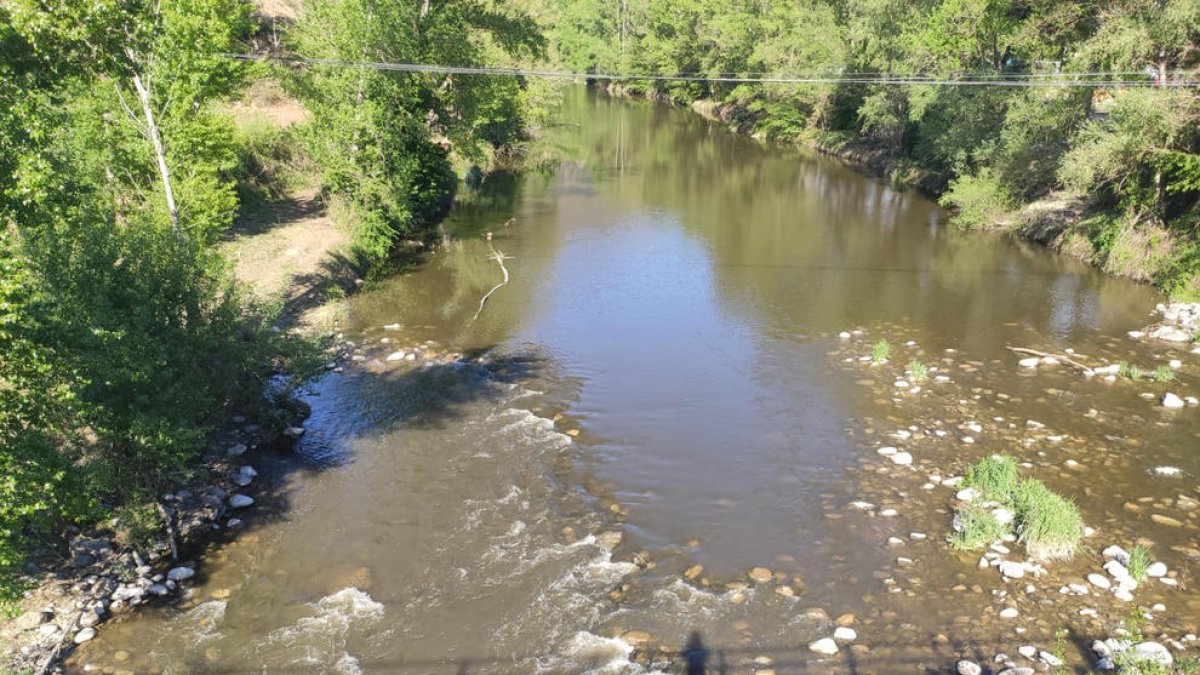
x: 966, y: 667
x: 902, y: 458
x: 1012, y: 570
x: 1157, y: 569
x: 760, y: 575
x: 1028, y: 651
x: 1169, y: 471
x: 844, y: 634
x: 824, y: 646
x: 1050, y: 659
x: 1099, y: 581
x: 240, y: 501
x: 181, y: 573
x: 1009, y: 613
x: 85, y: 635
x: 889, y: 513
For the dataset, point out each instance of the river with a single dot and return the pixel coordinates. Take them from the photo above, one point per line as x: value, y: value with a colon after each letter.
x: 662, y: 384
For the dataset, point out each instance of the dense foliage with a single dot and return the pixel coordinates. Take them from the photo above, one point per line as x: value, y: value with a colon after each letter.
x: 383, y: 138
x: 1134, y: 153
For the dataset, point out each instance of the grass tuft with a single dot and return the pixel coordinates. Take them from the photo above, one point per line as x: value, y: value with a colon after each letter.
x: 917, y: 371
x: 880, y: 351
x: 979, y: 528
x: 1130, y: 371
x: 995, y: 477
x: 1163, y: 374
x: 1139, y: 562
x: 1050, y: 525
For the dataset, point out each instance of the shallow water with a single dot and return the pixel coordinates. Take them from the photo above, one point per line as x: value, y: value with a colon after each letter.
x: 665, y: 364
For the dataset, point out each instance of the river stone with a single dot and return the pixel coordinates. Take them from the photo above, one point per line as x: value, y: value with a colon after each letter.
x: 1157, y: 569
x: 760, y: 575
x: 85, y: 635
x: 966, y: 667
x: 294, y: 432
x: 1017, y: 671
x: 1009, y: 613
x: 609, y: 540
x: 1170, y: 400
x: 30, y: 620
x: 1170, y: 334
x: 1153, y: 651
x: 1028, y: 651
x: 396, y: 356
x: 1050, y: 659
x: 824, y: 646
x: 692, y: 572
x: 902, y: 458
x: 1170, y: 471
x: 1012, y: 569
x: 181, y: 573
x: 1117, y: 553
x: 236, y: 450
x: 844, y: 634
x: 1099, y: 581
x: 636, y: 638
x: 239, y: 501
x: 1030, y: 362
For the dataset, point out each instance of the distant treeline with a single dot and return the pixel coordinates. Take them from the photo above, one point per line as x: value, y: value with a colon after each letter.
x: 1131, y: 154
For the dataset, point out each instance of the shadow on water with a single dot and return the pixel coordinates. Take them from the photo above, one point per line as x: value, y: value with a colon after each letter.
x: 699, y: 658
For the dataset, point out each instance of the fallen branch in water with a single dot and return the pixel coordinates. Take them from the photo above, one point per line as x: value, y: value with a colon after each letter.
x: 170, y: 526
x: 499, y: 258
x: 1061, y: 357
x: 62, y: 639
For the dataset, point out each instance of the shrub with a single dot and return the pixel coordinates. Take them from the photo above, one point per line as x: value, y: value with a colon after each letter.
x: 880, y: 351
x: 995, y: 477
x: 1163, y: 374
x: 979, y: 200
x: 1129, y: 370
x: 1050, y: 526
x: 917, y: 371
x: 1139, y: 562
x: 979, y: 528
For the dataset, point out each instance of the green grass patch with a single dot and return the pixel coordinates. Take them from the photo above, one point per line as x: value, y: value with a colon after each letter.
x: 995, y: 477
x: 880, y: 351
x: 1139, y: 562
x: 1050, y: 525
x: 979, y: 528
x: 1129, y: 370
x: 917, y: 371
x: 1163, y: 374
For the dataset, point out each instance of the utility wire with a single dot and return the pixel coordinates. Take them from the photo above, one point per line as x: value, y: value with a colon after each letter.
x: 1089, y: 79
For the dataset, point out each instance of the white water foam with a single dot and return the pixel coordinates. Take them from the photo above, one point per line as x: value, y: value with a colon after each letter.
x: 319, y: 641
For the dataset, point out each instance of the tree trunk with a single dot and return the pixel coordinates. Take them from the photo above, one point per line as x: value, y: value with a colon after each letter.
x: 159, y: 154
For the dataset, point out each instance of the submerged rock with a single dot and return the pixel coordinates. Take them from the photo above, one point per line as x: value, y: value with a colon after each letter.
x: 1170, y: 400
x: 240, y: 501
x: 824, y: 646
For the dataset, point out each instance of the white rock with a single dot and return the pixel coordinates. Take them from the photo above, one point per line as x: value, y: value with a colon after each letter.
x: 844, y: 634
x: 1117, y: 553
x: 181, y: 573
x: 887, y: 451
x: 1050, y: 659
x: 1153, y: 651
x: 844, y: 335
x: 1156, y: 570
x: 240, y: 501
x: 1028, y: 651
x: 862, y: 506
x: 889, y: 513
x: 967, y: 494
x: 85, y: 635
x: 965, y: 667
x: 824, y: 646
x: 1012, y: 570
x: 294, y: 432
x: 1169, y: 471
x: 1099, y: 581
x: 902, y: 458
x: 1170, y: 400
x: 1169, y: 581
x: 1031, y: 362
x: 396, y: 356
x: 1003, y: 516
x: 1009, y: 613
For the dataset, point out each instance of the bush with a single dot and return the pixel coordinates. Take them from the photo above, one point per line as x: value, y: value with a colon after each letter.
x: 980, y: 200
x: 979, y: 528
x: 1050, y: 526
x: 995, y: 477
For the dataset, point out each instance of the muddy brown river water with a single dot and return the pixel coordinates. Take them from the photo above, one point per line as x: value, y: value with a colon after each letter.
x: 659, y: 401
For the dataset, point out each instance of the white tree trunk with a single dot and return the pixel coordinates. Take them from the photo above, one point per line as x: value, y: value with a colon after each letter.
x: 159, y: 154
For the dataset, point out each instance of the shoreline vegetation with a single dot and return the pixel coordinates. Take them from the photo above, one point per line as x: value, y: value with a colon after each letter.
x: 179, y: 232
x: 1106, y: 172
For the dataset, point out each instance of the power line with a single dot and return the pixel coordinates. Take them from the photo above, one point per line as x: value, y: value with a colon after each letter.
x: 1088, y: 79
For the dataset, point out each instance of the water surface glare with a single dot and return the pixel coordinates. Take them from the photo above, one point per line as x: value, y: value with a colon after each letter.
x: 665, y: 365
